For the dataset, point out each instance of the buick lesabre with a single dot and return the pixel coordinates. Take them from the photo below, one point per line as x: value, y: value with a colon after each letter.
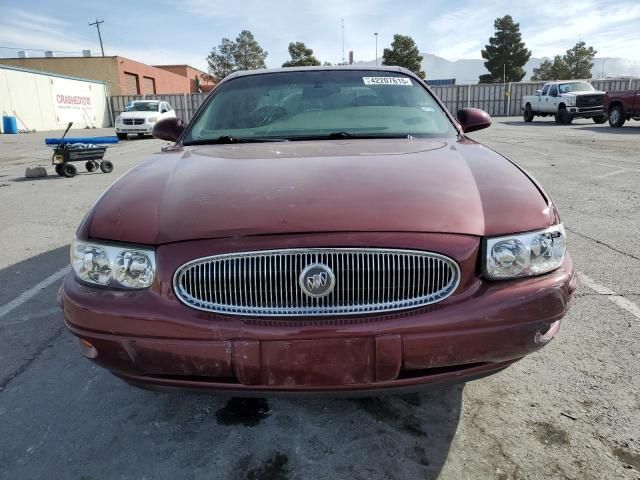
x: 319, y: 230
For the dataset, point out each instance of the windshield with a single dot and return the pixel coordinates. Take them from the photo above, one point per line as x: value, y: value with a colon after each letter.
x: 575, y: 87
x: 320, y: 104
x: 142, y: 107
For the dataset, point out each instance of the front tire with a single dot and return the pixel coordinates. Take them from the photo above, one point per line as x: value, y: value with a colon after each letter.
x: 528, y: 114
x: 616, y: 117
x: 563, y: 117
x: 122, y: 136
x: 600, y: 119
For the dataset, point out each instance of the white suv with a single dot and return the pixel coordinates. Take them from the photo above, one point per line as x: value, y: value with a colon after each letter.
x: 140, y: 116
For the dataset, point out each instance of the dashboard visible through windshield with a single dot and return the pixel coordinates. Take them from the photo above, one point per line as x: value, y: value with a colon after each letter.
x: 319, y: 104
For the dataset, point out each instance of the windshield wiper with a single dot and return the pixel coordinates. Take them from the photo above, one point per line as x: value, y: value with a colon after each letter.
x: 228, y: 139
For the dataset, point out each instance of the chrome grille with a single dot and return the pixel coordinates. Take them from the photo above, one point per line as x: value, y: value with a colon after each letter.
x: 267, y: 282
x: 133, y: 121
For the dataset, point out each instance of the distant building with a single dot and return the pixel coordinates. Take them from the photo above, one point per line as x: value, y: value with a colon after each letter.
x: 122, y: 75
x: 199, y: 80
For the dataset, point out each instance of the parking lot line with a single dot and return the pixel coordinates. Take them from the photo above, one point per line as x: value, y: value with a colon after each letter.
x: 33, y: 291
x: 619, y: 300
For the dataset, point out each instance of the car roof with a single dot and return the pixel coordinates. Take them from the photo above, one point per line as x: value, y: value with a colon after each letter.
x: 264, y: 71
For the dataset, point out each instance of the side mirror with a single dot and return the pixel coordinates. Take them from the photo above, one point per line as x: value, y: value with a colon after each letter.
x: 538, y: 92
x: 472, y: 119
x: 168, y: 129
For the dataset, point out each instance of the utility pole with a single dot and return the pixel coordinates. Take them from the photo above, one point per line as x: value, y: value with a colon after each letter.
x: 97, y: 24
x: 376, y: 35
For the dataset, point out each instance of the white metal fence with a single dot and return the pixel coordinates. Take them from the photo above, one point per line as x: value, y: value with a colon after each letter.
x: 498, y: 99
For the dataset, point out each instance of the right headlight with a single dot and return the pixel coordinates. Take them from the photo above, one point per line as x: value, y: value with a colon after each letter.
x: 525, y: 254
x: 113, y: 266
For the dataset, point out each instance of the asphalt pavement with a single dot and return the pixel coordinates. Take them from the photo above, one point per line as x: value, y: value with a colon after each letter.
x: 571, y: 411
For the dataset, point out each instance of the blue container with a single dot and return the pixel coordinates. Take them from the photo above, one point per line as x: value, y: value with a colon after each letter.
x: 94, y: 140
x: 9, y: 124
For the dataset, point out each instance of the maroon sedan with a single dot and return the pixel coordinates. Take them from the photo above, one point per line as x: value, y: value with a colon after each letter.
x: 318, y: 230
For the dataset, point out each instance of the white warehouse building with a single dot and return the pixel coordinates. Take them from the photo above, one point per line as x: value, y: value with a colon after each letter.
x: 48, y: 101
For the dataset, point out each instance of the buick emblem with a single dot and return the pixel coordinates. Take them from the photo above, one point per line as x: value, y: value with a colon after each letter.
x: 317, y: 280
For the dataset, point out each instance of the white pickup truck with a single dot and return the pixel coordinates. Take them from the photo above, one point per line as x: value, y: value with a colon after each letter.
x: 565, y: 100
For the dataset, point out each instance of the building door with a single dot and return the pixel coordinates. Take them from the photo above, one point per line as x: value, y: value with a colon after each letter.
x: 148, y: 85
x: 131, y: 84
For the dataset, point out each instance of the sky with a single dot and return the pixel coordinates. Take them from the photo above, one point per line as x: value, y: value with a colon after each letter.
x: 177, y: 32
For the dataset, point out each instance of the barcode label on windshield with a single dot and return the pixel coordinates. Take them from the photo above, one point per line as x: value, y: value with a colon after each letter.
x: 403, y: 81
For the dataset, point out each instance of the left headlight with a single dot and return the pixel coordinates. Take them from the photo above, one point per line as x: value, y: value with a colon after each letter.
x: 525, y: 254
x: 108, y: 265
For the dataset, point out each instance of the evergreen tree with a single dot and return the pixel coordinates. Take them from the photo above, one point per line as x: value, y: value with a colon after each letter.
x: 221, y: 60
x: 577, y: 62
x: 404, y: 53
x: 242, y: 54
x: 301, y: 56
x: 506, y: 53
x: 248, y: 54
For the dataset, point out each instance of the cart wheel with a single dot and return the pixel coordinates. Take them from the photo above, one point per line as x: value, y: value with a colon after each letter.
x: 106, y: 166
x: 58, y: 168
x: 91, y: 166
x: 69, y: 170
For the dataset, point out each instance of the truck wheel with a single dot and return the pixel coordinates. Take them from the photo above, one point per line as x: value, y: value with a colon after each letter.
x: 563, y: 117
x: 69, y: 170
x: 528, y: 114
x: 106, y: 166
x: 122, y: 136
x: 616, y: 117
x: 600, y: 119
x: 91, y: 166
x: 58, y: 168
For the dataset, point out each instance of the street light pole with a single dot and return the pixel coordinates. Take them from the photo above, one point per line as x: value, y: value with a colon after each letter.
x: 376, y: 35
x: 97, y: 24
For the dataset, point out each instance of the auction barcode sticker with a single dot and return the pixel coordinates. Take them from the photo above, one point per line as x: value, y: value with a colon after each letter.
x: 404, y: 81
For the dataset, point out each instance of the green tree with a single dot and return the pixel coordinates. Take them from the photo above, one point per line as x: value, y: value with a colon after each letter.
x: 551, y: 70
x: 242, y: 54
x: 222, y: 60
x: 577, y: 62
x: 301, y: 56
x: 506, y: 54
x: 404, y: 53
x: 248, y: 54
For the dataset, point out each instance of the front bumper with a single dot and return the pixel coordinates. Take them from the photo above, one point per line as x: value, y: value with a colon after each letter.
x: 144, y: 128
x: 586, y: 112
x: 149, y: 338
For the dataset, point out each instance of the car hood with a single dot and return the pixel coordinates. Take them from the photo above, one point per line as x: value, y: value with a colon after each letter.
x: 138, y: 114
x: 402, y: 185
x: 580, y: 94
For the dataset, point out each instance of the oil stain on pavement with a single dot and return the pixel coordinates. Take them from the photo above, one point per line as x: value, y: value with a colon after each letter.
x: 243, y: 411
